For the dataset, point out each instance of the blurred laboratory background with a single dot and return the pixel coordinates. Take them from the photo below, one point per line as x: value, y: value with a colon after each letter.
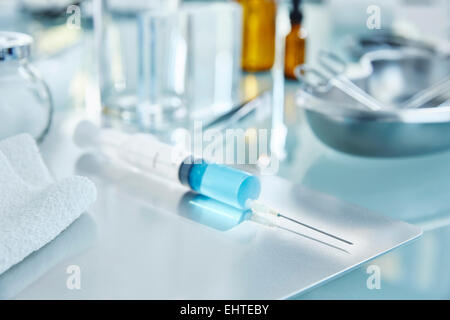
x: 355, y: 95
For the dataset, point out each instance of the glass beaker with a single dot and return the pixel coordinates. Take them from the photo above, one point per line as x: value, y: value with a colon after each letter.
x: 117, y: 41
x: 190, y: 62
x: 213, y: 33
x: 161, y: 67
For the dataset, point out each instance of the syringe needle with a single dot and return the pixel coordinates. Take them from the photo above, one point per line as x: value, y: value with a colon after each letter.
x: 313, y: 239
x: 261, y: 219
x: 315, y: 229
x: 260, y: 208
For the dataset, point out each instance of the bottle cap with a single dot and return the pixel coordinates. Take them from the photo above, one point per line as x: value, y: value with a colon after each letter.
x: 296, y: 15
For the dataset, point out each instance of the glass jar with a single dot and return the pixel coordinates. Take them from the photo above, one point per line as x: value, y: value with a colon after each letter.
x: 25, y: 103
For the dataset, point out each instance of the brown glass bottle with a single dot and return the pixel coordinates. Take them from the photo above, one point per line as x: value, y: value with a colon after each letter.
x: 295, y: 45
x: 258, y: 47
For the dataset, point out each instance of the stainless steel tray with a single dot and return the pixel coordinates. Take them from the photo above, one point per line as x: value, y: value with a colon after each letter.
x: 143, y: 251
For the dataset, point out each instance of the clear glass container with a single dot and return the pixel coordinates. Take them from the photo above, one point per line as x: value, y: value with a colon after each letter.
x: 213, y: 36
x: 25, y: 103
x: 118, y: 40
x: 164, y: 65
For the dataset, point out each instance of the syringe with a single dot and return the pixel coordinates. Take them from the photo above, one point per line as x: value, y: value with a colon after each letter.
x: 144, y: 153
x: 173, y: 199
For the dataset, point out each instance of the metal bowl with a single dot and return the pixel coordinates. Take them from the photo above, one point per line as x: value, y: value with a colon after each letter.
x: 393, y: 133
x: 395, y: 75
x: 358, y: 45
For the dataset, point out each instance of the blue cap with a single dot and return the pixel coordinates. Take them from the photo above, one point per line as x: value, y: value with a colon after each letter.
x: 225, y: 184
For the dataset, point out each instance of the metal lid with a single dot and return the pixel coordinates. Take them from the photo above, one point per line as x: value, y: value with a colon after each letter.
x: 14, y: 45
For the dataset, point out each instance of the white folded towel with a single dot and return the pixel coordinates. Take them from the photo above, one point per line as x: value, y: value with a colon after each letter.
x: 34, y: 208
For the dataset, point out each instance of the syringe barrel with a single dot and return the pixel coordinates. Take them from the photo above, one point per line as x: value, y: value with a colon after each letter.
x: 146, y: 154
x: 143, y: 152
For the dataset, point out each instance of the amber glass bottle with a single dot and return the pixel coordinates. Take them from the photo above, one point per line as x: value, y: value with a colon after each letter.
x: 295, y: 46
x: 258, y: 47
